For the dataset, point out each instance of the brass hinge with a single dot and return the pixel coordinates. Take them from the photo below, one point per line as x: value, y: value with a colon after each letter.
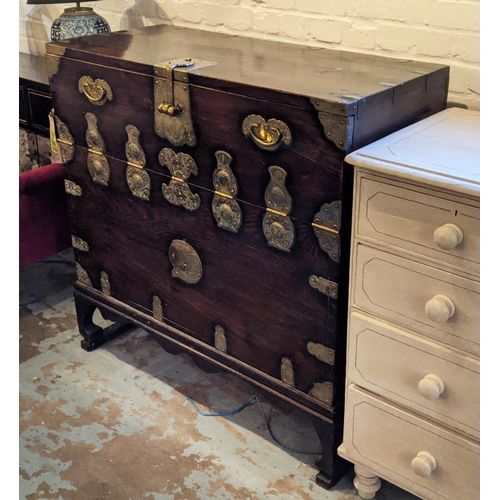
x: 172, y: 107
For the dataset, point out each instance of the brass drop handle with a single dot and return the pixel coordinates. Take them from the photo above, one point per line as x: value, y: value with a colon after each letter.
x: 440, y: 308
x: 431, y: 387
x: 423, y: 464
x: 268, y: 135
x: 264, y: 135
x: 170, y: 109
x: 96, y: 91
x: 448, y: 236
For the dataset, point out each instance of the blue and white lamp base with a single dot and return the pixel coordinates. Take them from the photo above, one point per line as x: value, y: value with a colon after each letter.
x: 76, y: 22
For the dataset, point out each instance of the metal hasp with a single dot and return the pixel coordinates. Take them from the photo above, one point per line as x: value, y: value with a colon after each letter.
x: 186, y: 262
x: 138, y: 179
x: 269, y: 135
x: 278, y: 227
x: 321, y: 352
x: 64, y: 139
x: 181, y: 166
x: 220, y: 341
x: 323, y: 391
x: 225, y: 208
x: 97, y: 163
x: 172, y: 106
x: 157, y: 308
x: 338, y: 129
x: 96, y: 91
x: 329, y: 288
x: 327, y: 227
x: 287, y: 376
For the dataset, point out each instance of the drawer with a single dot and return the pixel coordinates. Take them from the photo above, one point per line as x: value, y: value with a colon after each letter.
x: 410, y: 293
x: 414, y: 372
x: 386, y: 440
x: 419, y: 220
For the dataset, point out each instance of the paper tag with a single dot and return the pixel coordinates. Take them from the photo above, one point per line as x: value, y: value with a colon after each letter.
x: 52, y: 133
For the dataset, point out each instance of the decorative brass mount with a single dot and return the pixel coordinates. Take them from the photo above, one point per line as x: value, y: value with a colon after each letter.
x: 157, y: 308
x: 96, y: 91
x: 225, y: 208
x: 323, y: 391
x: 172, y: 107
x: 82, y: 275
x: 322, y: 352
x: 278, y: 227
x: 329, y: 288
x: 268, y: 135
x: 72, y: 188
x: 186, y: 262
x: 105, y: 285
x: 79, y: 244
x: 338, y: 129
x: 327, y: 227
x: 181, y: 166
x: 220, y: 340
x: 97, y: 163
x: 287, y: 375
x: 64, y: 139
x: 138, y: 179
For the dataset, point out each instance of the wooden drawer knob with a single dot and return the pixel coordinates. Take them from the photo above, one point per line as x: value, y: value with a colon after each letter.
x: 440, y: 308
x: 448, y: 236
x: 431, y: 387
x: 423, y: 464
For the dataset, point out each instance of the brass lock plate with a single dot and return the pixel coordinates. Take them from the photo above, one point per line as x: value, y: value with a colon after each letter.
x: 172, y: 106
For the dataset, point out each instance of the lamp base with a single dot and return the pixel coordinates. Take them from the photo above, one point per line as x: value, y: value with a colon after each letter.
x: 78, y: 21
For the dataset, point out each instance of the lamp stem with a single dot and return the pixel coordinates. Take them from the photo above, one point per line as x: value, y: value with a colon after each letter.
x: 78, y: 5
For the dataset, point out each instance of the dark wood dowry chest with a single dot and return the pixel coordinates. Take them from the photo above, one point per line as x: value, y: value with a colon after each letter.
x: 209, y: 199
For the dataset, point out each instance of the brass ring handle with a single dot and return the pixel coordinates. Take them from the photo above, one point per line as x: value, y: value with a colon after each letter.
x: 96, y: 91
x: 268, y: 135
x: 88, y: 92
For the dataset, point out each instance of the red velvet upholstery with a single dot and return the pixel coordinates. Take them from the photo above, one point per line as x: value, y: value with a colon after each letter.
x: 44, y: 228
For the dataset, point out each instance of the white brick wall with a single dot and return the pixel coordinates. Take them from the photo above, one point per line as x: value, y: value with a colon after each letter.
x: 442, y: 31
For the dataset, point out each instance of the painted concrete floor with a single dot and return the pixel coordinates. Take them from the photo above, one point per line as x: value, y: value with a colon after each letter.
x: 115, y: 423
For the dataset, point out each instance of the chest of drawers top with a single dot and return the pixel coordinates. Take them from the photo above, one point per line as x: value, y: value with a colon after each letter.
x: 441, y: 151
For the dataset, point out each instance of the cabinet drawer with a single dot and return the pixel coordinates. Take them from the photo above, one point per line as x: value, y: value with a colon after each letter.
x: 409, y: 294
x: 386, y: 440
x: 392, y: 213
x: 397, y: 365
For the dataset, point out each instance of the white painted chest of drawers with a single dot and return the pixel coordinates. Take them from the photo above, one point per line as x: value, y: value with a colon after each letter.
x: 412, y: 398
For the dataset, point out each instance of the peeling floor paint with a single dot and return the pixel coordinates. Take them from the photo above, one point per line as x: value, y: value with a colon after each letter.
x: 115, y: 423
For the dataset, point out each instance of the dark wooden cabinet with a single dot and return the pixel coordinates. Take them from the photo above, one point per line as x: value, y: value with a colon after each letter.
x: 35, y: 101
x: 209, y: 199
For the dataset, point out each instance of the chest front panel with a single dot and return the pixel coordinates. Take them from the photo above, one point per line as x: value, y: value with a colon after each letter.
x: 260, y: 296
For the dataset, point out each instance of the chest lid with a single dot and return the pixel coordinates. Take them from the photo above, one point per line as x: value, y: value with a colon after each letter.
x: 333, y: 81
